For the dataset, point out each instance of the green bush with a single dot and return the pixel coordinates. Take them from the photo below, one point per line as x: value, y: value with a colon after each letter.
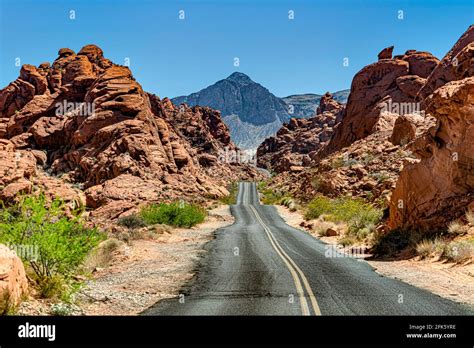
x: 61, y: 243
x: 231, y: 198
x: 360, y: 217
x: 131, y: 221
x: 317, y: 207
x: 271, y: 197
x: 178, y: 214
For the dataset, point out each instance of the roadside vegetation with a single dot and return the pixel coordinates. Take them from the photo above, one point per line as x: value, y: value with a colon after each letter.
x: 231, y: 198
x: 176, y: 214
x: 270, y: 196
x: 59, y: 243
x: 453, y: 244
x: 360, y: 218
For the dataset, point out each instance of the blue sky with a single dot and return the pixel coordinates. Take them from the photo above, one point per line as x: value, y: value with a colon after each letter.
x: 172, y: 57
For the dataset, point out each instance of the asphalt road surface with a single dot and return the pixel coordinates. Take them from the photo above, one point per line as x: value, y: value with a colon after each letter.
x: 261, y: 266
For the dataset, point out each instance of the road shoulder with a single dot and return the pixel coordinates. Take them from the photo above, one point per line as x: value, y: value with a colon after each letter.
x: 150, y: 270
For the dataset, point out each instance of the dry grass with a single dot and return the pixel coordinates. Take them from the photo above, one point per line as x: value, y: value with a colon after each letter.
x: 322, y: 227
x: 101, y: 255
x: 459, y: 251
x: 426, y: 248
x: 456, y: 228
x: 470, y: 218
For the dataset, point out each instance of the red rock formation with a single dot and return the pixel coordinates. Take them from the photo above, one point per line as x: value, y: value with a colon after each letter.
x: 403, y: 132
x: 387, y: 82
x: 98, y: 126
x: 386, y: 53
x: 327, y: 103
x: 13, y: 282
x: 456, y: 64
x: 296, y: 141
x: 440, y: 185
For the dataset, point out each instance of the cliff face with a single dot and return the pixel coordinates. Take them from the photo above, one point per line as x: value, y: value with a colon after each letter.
x: 440, y: 186
x: 87, y: 120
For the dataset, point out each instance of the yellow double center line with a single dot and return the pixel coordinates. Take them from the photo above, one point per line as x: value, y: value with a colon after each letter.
x: 294, y: 270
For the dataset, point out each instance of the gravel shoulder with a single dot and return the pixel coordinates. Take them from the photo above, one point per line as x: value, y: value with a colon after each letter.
x: 448, y: 280
x: 147, y: 271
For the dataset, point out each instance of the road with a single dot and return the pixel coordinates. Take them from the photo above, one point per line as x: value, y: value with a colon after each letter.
x: 261, y: 266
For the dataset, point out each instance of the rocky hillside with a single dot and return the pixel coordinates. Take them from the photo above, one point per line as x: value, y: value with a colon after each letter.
x: 250, y: 110
x: 82, y: 128
x: 403, y: 140
x: 295, y: 142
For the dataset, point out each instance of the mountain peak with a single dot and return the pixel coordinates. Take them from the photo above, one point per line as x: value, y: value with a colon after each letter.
x: 239, y: 77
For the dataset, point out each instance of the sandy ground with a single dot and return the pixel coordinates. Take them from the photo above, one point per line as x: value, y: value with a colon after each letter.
x: 147, y: 271
x: 448, y: 280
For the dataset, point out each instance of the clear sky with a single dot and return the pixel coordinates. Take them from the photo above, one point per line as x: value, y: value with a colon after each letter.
x: 171, y: 56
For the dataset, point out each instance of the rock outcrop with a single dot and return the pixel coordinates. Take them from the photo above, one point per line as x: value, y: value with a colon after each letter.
x: 439, y: 186
x: 455, y: 65
x: 379, y: 93
x: 13, y: 281
x: 89, y: 121
x: 296, y: 141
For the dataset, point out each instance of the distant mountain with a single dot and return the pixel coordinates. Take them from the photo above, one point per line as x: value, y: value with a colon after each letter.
x: 250, y: 110
x: 305, y: 105
x: 239, y: 95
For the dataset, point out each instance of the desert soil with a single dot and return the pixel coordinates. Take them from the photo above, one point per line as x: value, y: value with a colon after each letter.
x: 147, y: 271
x: 448, y: 280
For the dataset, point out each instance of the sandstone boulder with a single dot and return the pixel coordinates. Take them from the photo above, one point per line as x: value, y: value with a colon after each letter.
x: 13, y: 281
x: 404, y: 131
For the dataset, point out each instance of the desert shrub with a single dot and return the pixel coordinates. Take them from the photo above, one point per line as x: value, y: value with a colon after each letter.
x: 61, y: 243
x: 317, y: 207
x: 316, y: 182
x: 357, y: 214
x: 337, y: 163
x: 380, y: 176
x: 470, y: 218
x: 101, y: 255
x: 131, y: 221
x: 368, y: 158
x: 61, y: 309
x: 231, y: 198
x: 271, y: 197
x: 346, y: 241
x: 426, y: 248
x: 178, y: 214
x: 456, y: 228
x: 459, y: 251
x: 322, y: 227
